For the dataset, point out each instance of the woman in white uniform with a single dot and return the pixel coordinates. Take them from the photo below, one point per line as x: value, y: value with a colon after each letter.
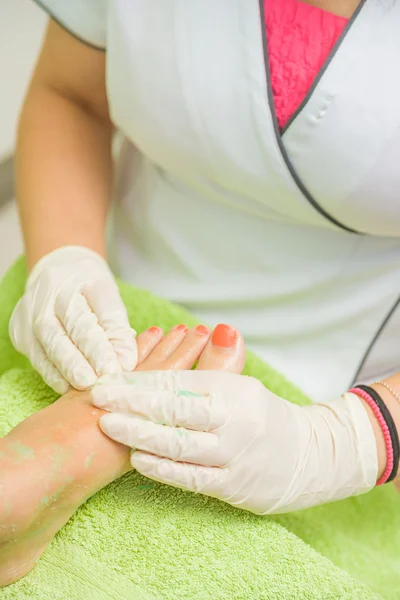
x: 287, y: 228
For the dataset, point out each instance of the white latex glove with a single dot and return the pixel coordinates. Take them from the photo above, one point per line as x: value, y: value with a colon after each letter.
x: 227, y: 436
x: 71, y: 322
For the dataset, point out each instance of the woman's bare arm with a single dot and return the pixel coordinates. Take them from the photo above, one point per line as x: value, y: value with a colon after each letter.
x: 64, y: 160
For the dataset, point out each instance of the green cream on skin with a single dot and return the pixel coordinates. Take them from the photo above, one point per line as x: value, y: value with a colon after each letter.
x: 49, y: 500
x: 187, y: 394
x: 21, y: 450
x: 60, y: 457
x: 89, y: 460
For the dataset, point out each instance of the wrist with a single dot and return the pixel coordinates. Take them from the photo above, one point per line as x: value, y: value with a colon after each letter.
x: 35, y: 253
x: 392, y: 403
x: 62, y: 256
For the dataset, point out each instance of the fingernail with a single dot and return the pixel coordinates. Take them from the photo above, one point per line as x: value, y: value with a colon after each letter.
x: 181, y: 328
x: 224, y: 336
x: 154, y: 330
x: 202, y: 330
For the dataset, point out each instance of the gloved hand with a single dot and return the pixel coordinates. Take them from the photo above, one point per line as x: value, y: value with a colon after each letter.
x: 71, y: 322
x: 227, y: 436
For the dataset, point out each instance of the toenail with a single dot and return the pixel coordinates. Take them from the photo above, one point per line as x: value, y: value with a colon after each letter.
x: 154, y: 330
x: 181, y: 328
x: 202, y: 330
x: 224, y: 336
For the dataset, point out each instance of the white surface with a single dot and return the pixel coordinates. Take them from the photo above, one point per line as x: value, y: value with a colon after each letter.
x: 22, y: 26
x: 10, y: 236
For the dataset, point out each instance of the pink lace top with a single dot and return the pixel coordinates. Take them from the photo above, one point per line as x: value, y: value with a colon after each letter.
x: 300, y: 38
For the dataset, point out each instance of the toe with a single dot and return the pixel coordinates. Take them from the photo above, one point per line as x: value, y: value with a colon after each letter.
x: 186, y: 355
x: 224, y: 352
x: 166, y: 347
x: 147, y: 341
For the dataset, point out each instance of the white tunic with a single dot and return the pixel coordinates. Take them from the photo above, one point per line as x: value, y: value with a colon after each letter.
x: 293, y: 238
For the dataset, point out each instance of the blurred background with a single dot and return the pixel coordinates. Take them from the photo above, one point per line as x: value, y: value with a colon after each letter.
x: 22, y: 26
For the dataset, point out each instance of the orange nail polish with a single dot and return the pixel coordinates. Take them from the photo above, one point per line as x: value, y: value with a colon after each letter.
x: 224, y: 336
x: 154, y: 330
x: 181, y: 328
x: 202, y: 330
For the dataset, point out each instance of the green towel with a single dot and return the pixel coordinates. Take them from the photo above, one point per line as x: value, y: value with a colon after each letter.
x: 137, y: 539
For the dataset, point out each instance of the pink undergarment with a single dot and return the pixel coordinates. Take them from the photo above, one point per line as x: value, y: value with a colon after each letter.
x: 300, y: 39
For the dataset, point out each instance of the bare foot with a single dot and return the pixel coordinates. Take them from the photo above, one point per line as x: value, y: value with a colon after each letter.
x: 181, y: 348
x: 224, y: 352
x: 56, y: 459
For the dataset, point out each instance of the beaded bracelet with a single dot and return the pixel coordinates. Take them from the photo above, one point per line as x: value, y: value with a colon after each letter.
x: 388, y: 428
x: 391, y: 426
x: 385, y: 430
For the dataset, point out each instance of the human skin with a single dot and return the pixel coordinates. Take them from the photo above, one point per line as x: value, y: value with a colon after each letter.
x: 342, y: 8
x: 63, y: 153
x: 56, y: 459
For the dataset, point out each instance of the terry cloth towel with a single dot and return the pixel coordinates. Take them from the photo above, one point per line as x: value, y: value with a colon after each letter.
x: 140, y: 540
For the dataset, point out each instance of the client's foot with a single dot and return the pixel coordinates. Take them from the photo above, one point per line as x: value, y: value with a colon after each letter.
x: 181, y: 348
x: 56, y: 459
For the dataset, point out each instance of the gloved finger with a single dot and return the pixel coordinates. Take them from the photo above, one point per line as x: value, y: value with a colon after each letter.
x: 63, y: 353
x: 203, y: 480
x: 82, y: 326
x: 189, y: 383
x: 175, y: 443
x: 20, y: 326
x: 24, y: 341
x: 195, y: 401
x: 144, y: 405
x: 105, y: 301
x: 50, y: 374
x: 193, y: 412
